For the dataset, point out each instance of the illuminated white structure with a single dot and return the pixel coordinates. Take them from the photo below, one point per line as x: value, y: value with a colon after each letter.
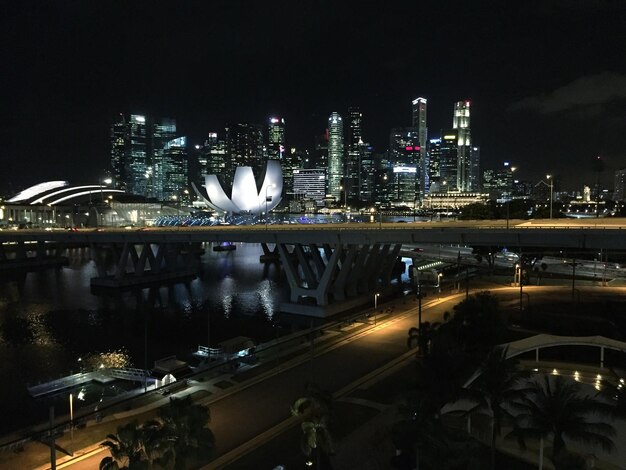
x: 245, y: 197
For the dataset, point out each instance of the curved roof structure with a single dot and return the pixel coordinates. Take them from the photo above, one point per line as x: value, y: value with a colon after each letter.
x: 56, y: 192
x: 246, y: 197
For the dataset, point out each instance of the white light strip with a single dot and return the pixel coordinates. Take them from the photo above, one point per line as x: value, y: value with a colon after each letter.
x: 56, y: 193
x: 37, y: 190
x: 84, y: 193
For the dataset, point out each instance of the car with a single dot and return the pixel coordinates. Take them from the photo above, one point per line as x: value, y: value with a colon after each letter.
x: 418, y: 250
x: 72, y: 229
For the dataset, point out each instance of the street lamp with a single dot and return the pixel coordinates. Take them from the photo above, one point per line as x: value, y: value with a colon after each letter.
x: 551, y: 190
x: 267, y: 199
x: 72, y: 422
x: 376, y: 295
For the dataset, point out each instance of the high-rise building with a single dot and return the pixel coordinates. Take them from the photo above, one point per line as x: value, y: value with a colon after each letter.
x: 162, y: 132
x: 434, y: 158
x: 171, y: 171
x: 420, y: 123
x: 137, y: 144
x: 404, y: 154
x: 292, y: 160
x: 310, y: 183
x: 461, y: 123
x: 448, y: 161
x: 355, y: 145
x: 619, y: 188
x: 244, y: 147
x: 212, y: 159
x: 499, y: 182
x: 366, y: 173
x: 276, y: 138
x: 335, y: 156
x: 474, y: 174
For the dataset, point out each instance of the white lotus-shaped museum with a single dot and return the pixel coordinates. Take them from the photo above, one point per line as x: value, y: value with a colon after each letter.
x: 245, y: 197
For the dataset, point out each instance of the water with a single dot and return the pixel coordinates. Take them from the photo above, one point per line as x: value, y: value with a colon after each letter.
x: 52, y: 325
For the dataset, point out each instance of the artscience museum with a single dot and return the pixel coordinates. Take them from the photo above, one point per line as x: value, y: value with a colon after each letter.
x: 247, y: 194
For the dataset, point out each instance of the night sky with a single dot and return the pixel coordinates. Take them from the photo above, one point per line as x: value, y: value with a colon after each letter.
x: 547, y: 79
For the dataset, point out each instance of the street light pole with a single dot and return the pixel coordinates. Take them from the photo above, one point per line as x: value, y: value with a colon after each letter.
x: 375, y: 305
x: 551, y: 189
x: 72, y: 422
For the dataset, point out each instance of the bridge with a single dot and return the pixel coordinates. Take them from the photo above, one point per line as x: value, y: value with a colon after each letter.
x: 330, y: 263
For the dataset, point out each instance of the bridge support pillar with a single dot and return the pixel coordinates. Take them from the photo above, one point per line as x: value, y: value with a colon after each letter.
x: 336, y: 273
x: 171, y: 261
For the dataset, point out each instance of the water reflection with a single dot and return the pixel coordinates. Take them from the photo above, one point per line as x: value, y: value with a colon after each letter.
x: 50, y: 318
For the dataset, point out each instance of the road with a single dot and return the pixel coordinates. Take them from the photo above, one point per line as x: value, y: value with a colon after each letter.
x: 241, y: 416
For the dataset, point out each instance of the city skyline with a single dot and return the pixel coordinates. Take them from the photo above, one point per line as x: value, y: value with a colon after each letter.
x: 546, y: 84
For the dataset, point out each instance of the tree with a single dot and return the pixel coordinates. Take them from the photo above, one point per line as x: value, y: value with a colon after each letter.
x: 555, y: 408
x: 316, y: 410
x: 127, y: 449
x: 185, y: 425
x: 479, y: 323
x: 495, y: 389
x: 423, y: 339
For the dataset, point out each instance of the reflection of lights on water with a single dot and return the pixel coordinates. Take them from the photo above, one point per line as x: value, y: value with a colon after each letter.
x: 227, y: 305
x: 81, y: 394
x: 265, y: 294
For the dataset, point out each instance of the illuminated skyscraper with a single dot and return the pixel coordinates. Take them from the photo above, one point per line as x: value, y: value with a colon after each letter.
x: 355, y: 147
x: 335, y: 156
x: 404, y: 153
x: 171, y: 171
x: 420, y: 124
x: 448, y: 161
x: 461, y: 123
x: 212, y: 159
x: 276, y: 138
x: 244, y: 147
x: 137, y: 144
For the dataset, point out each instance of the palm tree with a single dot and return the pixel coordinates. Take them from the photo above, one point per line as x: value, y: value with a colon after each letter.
x: 494, y: 390
x: 555, y: 408
x: 185, y: 426
x: 316, y: 408
x: 422, y: 340
x: 127, y: 449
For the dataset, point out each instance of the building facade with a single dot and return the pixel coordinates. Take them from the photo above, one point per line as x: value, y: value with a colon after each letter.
x: 335, y: 156
x: 461, y: 123
x: 354, y: 156
x: 420, y: 123
x: 276, y: 138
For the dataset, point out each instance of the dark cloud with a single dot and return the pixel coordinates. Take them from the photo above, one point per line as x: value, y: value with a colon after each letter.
x: 585, y: 96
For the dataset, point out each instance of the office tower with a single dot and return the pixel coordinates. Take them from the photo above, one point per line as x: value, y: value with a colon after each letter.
x: 404, y: 153
x: 162, y: 132
x: 244, y: 147
x: 434, y: 157
x: 291, y: 160
x: 213, y: 158
x: 319, y: 157
x: 620, y: 180
x: 448, y: 161
x: 335, y: 156
x: 383, y: 179
x: 354, y: 144
x: 137, y: 144
x: 499, y: 182
x: 171, y: 171
x: 474, y: 173
x: 366, y: 173
x: 310, y: 183
x: 461, y: 123
x: 276, y: 138
x: 420, y: 123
